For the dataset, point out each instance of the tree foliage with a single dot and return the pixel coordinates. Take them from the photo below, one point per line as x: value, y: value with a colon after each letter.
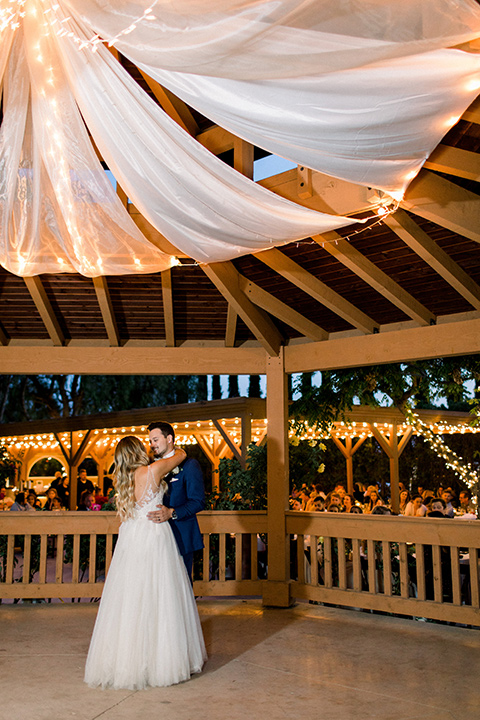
x: 424, y: 383
x: 37, y: 397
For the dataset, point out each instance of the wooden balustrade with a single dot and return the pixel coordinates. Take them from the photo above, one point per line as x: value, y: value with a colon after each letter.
x: 67, y: 554
x: 409, y: 566
x: 422, y: 567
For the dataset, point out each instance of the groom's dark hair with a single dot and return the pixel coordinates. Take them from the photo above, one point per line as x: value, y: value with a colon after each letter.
x: 165, y: 428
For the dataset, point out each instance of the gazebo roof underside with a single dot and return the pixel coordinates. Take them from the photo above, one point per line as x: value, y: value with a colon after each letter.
x: 185, y: 306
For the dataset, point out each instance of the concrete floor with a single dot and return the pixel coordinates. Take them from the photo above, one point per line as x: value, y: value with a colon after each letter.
x: 265, y: 664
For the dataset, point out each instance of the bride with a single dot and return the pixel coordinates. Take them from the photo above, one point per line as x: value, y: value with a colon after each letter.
x: 147, y: 631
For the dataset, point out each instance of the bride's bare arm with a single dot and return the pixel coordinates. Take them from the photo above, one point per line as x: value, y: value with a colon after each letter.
x: 162, y: 467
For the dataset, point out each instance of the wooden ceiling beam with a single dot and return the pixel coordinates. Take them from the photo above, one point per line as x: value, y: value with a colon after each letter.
x: 226, y: 279
x: 418, y: 240
x: 455, y: 161
x: 444, y: 203
x: 243, y: 157
x: 298, y: 276
x: 106, y: 308
x: 231, y: 327
x: 216, y: 139
x: 173, y: 106
x: 44, y: 307
x: 472, y: 113
x: 348, y: 255
x: 419, y: 343
x: 280, y: 310
x: 167, y: 299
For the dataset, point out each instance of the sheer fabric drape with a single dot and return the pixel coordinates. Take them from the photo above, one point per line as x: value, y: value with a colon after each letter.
x: 362, y: 91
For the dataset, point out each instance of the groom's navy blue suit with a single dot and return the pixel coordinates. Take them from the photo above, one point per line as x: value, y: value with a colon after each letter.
x: 186, y: 495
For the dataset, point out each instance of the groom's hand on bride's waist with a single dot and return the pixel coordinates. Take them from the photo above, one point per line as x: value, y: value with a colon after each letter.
x: 161, y: 514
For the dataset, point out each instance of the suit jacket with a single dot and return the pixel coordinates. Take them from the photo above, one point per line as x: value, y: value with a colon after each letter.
x: 186, y: 495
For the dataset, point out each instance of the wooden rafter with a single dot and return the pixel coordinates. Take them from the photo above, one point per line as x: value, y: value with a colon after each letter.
x: 300, y: 277
x: 167, y: 299
x: 44, y: 307
x: 106, y: 308
x: 418, y: 240
x: 229, y: 441
x: 441, y: 201
x: 173, y: 106
x: 472, y: 113
x: 348, y: 255
x: 226, y: 279
x: 455, y: 161
x: 231, y: 327
x: 283, y: 312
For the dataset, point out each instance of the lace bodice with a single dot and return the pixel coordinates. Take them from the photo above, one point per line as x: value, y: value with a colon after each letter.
x: 151, y: 497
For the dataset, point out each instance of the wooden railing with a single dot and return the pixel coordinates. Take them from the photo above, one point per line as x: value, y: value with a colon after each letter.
x: 67, y: 554
x: 409, y: 566
x: 421, y: 567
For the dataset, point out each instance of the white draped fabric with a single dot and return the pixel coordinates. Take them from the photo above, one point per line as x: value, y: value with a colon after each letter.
x: 199, y: 203
x: 357, y: 89
x: 362, y: 91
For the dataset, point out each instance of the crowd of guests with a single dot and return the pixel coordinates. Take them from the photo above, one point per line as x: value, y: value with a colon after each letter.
x: 89, y: 496
x: 367, y: 500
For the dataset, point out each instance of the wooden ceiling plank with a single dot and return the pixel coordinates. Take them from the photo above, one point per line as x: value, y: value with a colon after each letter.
x: 455, y: 161
x: 307, y: 282
x: 280, y: 310
x: 418, y: 240
x: 348, y: 255
x: 172, y: 105
x: 167, y: 299
x: 44, y: 307
x: 226, y: 279
x: 444, y: 203
x: 106, y: 308
x: 472, y: 113
x: 231, y: 327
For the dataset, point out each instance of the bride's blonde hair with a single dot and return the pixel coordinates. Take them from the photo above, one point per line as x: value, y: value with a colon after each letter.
x: 130, y: 454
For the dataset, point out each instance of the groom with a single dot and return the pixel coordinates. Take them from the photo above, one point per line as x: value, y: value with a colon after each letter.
x: 185, y: 495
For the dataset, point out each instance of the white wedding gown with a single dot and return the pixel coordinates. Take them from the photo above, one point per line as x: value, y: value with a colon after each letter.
x: 147, y: 631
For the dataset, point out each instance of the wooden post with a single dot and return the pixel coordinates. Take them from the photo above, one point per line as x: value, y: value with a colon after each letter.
x: 348, y: 451
x: 277, y: 589
x: 394, y: 470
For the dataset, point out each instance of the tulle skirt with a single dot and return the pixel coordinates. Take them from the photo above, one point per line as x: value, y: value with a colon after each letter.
x: 147, y: 631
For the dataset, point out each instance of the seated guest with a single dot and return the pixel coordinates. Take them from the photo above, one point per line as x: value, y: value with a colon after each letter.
x: 436, y: 508
x: 51, y: 494
x: 405, y: 498
x: 20, y: 504
x: 333, y: 507
x: 340, y: 489
x: 319, y: 505
x: 381, y: 510
x: 465, y: 505
x: 373, y: 501
x: 86, y: 501
x: 416, y: 508
x: 32, y: 501
x: 333, y: 498
x: 356, y: 509
x: 295, y: 504
x: 57, y: 504
x: 437, y: 505
x: 447, y: 496
x: 348, y: 502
